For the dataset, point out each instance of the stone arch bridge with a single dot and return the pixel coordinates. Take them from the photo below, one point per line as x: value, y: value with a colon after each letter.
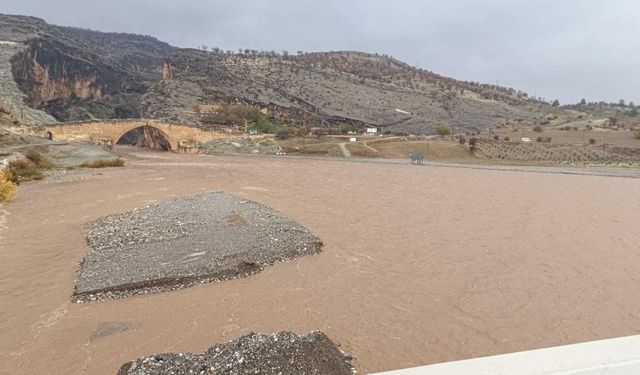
x: 181, y: 138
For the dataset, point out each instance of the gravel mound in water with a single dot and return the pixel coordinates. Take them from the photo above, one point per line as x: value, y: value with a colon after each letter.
x: 186, y: 241
x: 282, y: 353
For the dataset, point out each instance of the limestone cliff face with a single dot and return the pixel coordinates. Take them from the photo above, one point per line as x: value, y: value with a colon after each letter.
x: 56, y: 77
x: 12, y: 99
x: 77, y: 74
x: 167, y: 71
x: 46, y: 73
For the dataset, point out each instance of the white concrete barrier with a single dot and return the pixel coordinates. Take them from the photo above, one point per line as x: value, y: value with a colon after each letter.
x: 619, y: 356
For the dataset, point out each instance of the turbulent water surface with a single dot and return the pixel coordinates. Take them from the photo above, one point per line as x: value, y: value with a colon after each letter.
x: 420, y: 264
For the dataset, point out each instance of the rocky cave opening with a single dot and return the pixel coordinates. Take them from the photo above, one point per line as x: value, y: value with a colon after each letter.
x: 147, y: 137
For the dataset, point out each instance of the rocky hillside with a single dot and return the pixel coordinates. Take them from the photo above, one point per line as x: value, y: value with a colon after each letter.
x: 335, y: 87
x: 76, y: 74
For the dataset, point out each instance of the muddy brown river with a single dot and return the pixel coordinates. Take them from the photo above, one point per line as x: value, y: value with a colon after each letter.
x: 420, y: 264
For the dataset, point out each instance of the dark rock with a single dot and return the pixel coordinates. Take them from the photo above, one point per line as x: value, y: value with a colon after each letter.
x: 282, y: 353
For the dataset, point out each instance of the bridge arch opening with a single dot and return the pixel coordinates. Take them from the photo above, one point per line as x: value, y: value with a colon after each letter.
x: 147, y: 137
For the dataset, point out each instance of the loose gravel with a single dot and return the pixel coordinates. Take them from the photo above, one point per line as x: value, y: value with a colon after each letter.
x: 186, y: 241
x: 282, y: 353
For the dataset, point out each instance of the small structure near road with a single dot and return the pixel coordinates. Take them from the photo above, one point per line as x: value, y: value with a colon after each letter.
x: 417, y: 159
x: 370, y: 131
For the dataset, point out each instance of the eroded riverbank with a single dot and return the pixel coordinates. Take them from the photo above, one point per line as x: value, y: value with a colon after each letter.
x: 421, y: 264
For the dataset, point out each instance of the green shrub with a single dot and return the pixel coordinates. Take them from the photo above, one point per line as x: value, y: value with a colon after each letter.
x: 592, y: 141
x: 537, y: 129
x: 443, y: 130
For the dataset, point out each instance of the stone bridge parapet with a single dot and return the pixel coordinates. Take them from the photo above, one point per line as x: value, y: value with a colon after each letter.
x: 181, y: 137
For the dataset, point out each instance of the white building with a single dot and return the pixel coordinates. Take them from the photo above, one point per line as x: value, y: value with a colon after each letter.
x: 371, y: 131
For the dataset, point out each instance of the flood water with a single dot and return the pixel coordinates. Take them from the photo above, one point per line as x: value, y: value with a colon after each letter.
x: 420, y: 264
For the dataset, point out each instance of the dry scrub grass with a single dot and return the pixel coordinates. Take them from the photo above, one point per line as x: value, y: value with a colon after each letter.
x: 433, y: 149
x: 543, y: 152
x: 7, y: 187
x: 621, y: 138
x: 104, y: 163
x: 360, y: 149
x: 327, y: 149
x: 29, y: 168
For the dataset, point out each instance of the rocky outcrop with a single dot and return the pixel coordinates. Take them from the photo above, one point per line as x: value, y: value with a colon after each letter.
x: 47, y: 72
x: 338, y: 87
x: 281, y: 353
x: 13, y: 102
x: 76, y: 74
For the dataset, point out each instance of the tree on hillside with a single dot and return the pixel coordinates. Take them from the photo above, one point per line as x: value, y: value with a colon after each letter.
x: 621, y: 103
x: 583, y: 101
x: 556, y: 103
x: 443, y: 130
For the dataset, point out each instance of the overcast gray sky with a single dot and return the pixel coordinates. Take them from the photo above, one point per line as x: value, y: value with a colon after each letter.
x: 565, y: 49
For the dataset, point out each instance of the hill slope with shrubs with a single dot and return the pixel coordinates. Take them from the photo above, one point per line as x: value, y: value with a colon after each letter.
x: 77, y: 74
x: 329, y: 88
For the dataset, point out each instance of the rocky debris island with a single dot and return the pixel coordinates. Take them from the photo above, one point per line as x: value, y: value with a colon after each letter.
x: 186, y: 241
x: 282, y: 353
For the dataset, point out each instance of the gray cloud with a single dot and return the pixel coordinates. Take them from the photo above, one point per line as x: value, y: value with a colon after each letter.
x: 555, y: 49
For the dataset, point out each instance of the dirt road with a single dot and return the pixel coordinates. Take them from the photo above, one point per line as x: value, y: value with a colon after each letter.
x: 345, y: 151
x: 420, y: 264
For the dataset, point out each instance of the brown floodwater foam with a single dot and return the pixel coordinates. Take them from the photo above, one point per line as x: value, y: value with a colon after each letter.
x: 420, y: 265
